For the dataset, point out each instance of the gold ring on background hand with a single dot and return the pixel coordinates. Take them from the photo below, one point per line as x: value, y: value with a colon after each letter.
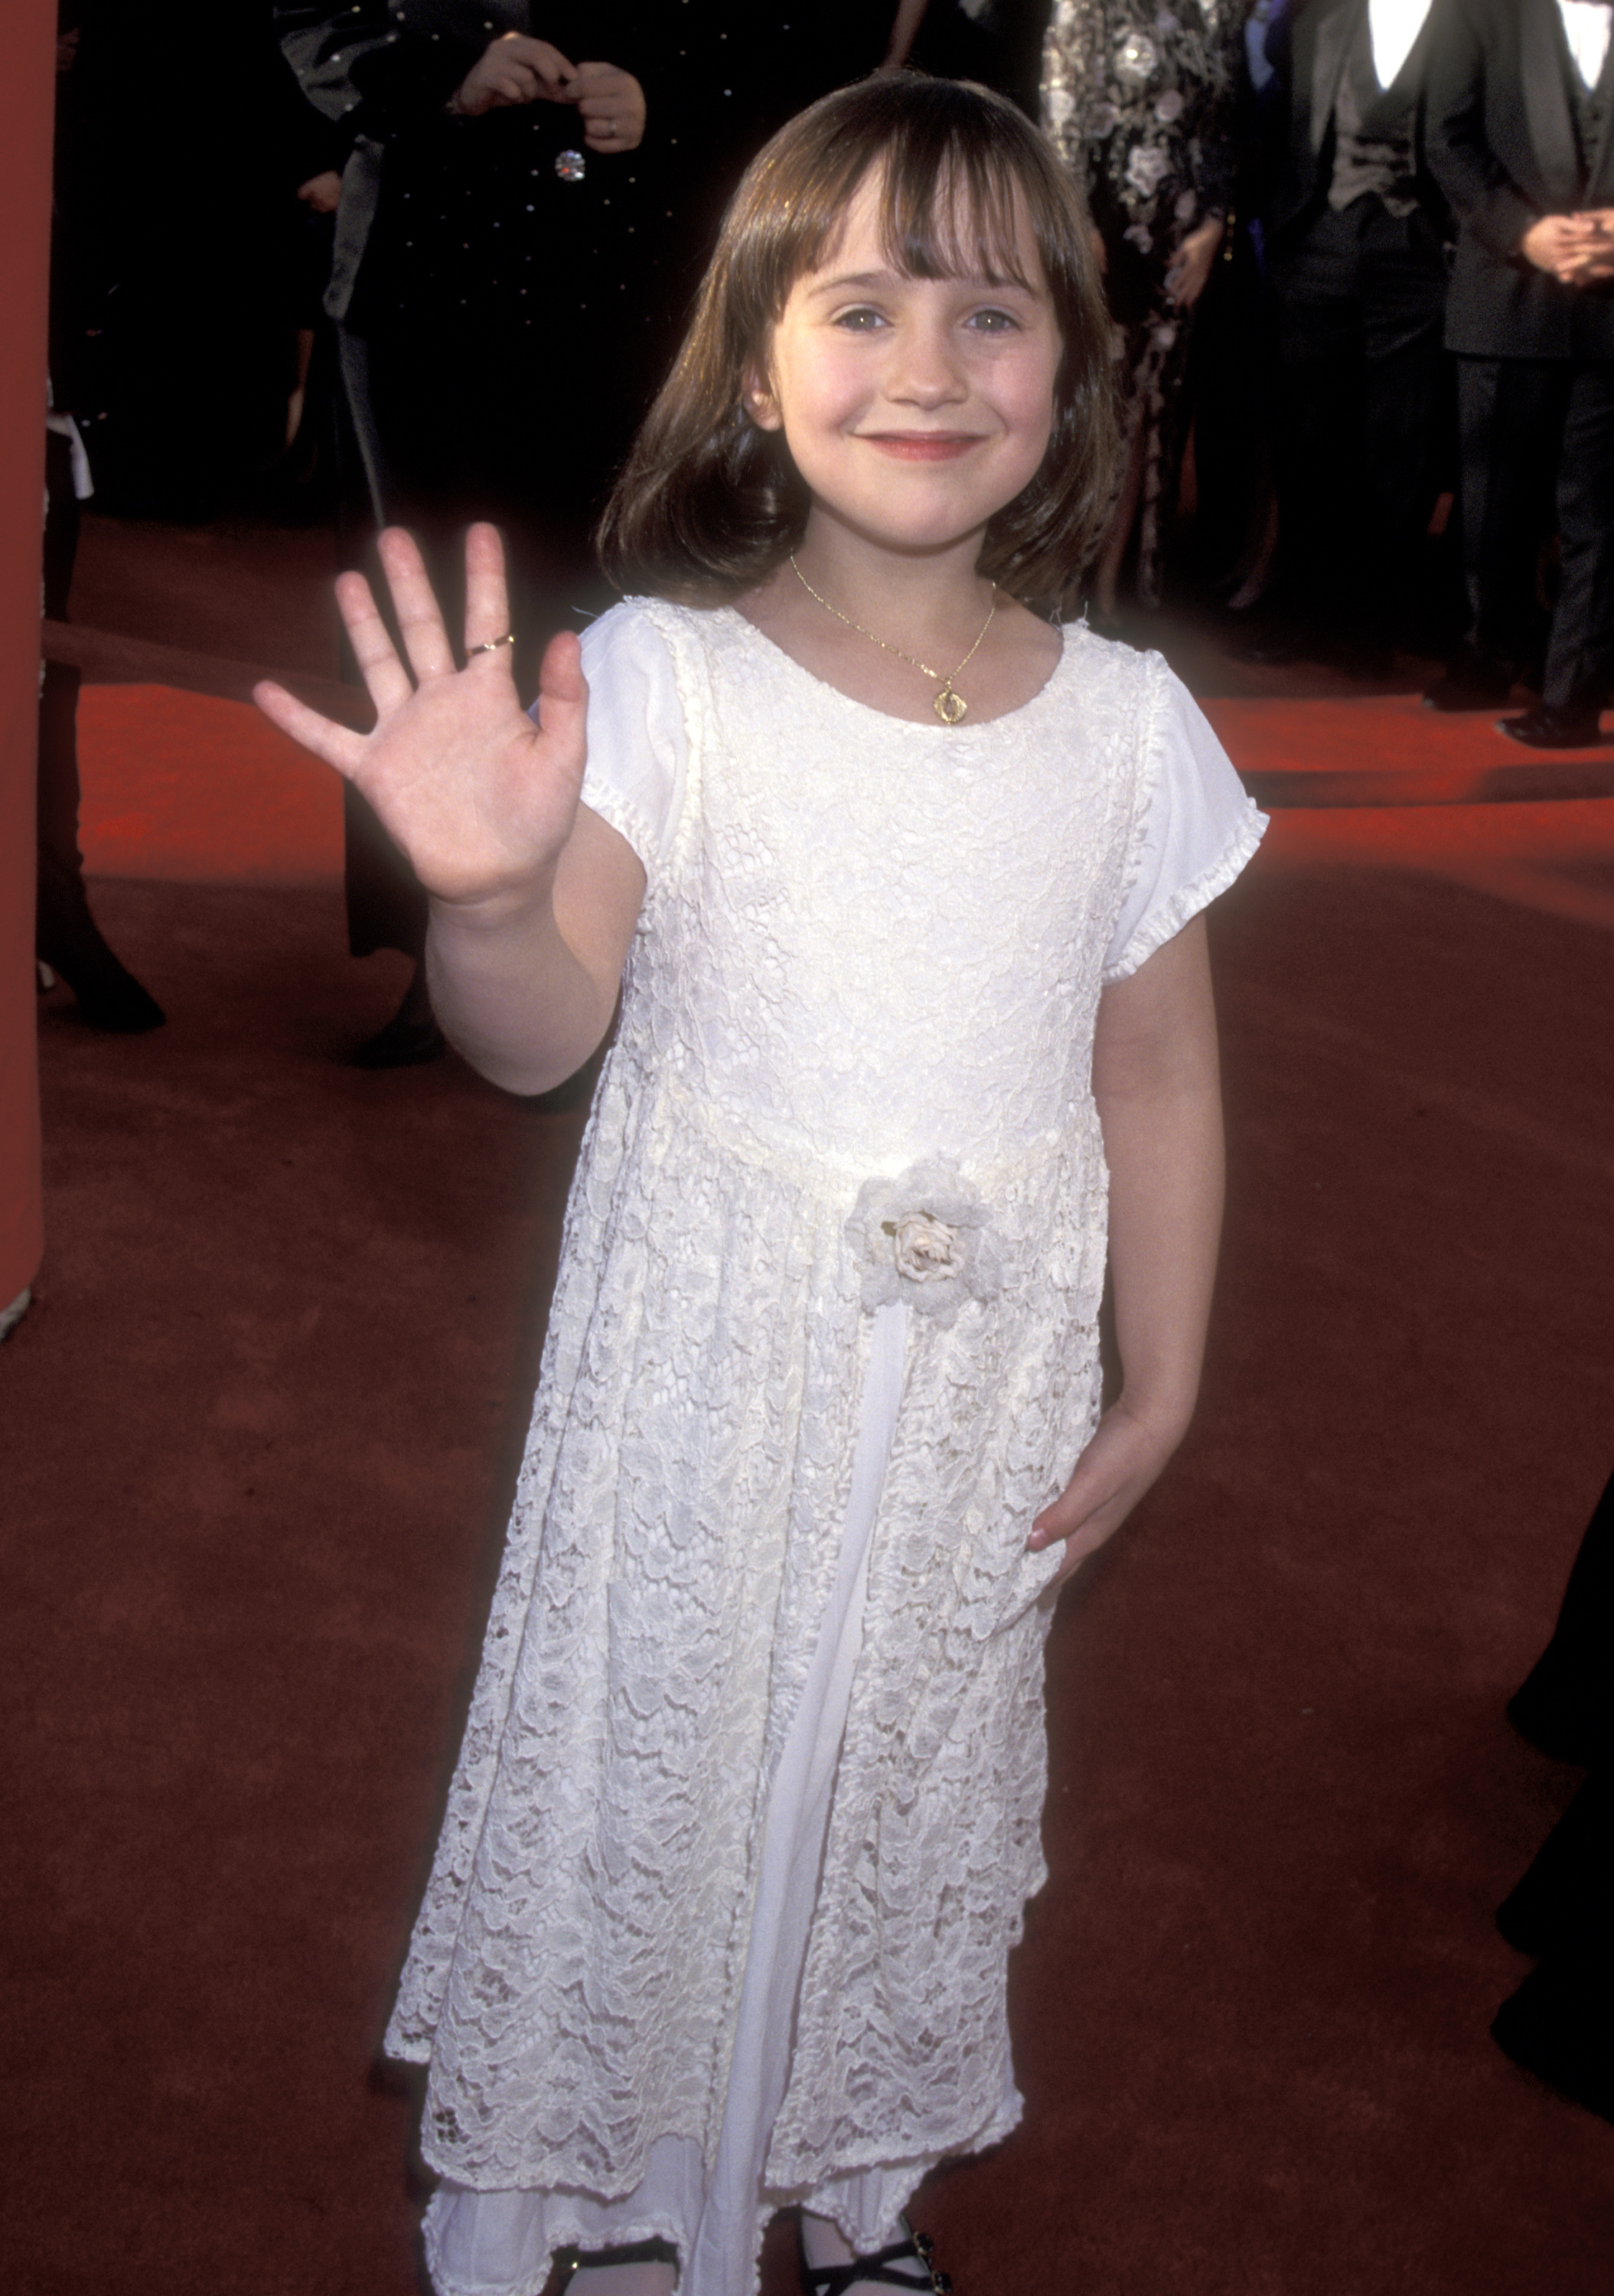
x: 492, y: 645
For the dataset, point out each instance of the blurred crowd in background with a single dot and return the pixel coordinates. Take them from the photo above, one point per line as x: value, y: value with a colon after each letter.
x: 426, y: 260
x: 1271, y: 168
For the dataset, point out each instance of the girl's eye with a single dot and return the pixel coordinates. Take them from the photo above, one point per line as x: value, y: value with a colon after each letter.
x: 862, y: 321
x: 993, y: 323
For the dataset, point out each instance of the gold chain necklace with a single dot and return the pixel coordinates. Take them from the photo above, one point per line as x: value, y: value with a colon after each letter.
x: 949, y: 704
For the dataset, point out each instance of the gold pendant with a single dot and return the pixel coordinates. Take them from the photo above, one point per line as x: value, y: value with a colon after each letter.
x: 948, y: 705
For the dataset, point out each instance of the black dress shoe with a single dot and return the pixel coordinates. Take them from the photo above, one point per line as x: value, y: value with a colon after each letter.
x: 72, y: 945
x: 1553, y: 725
x: 405, y: 1043
x: 117, y: 1003
x: 110, y: 997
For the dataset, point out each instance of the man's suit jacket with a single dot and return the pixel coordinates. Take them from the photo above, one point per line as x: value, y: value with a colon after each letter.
x: 1309, y: 47
x: 1503, y: 143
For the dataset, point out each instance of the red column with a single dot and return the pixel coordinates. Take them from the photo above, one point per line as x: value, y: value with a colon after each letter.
x: 26, y: 103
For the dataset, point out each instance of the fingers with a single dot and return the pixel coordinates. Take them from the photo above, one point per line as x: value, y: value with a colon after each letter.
x: 562, y: 689
x: 384, y: 674
x: 336, y: 744
x: 415, y: 602
x: 1125, y: 1457
x: 486, y: 599
x: 612, y: 106
x: 545, y: 58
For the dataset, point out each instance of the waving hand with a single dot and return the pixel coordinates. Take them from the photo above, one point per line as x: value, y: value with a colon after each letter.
x: 481, y: 798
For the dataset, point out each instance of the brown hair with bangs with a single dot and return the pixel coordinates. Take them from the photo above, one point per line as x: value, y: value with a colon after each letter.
x: 707, y: 505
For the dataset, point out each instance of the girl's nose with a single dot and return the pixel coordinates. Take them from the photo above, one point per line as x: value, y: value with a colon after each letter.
x: 927, y: 369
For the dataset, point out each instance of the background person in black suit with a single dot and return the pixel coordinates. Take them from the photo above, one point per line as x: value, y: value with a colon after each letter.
x: 1521, y: 138
x: 1356, y: 228
x: 495, y: 242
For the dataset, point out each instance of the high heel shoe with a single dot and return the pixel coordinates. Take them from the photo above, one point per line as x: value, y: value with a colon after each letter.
x: 835, y: 2279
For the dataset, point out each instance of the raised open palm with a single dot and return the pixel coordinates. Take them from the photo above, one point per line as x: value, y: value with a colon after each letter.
x: 481, y: 798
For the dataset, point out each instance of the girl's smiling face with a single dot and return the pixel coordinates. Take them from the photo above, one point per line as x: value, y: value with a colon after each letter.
x: 914, y: 409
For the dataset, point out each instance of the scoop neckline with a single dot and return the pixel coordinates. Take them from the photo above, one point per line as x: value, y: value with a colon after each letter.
x: 888, y: 716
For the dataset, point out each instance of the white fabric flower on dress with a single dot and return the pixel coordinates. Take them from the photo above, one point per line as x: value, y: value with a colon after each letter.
x: 924, y: 1238
x: 1168, y: 107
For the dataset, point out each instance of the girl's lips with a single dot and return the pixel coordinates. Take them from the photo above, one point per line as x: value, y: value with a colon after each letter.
x: 922, y: 446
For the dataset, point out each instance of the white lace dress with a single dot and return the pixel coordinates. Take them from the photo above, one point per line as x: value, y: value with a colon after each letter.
x: 748, y: 1805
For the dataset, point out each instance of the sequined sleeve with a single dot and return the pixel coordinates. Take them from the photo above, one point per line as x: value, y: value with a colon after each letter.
x: 1074, y: 63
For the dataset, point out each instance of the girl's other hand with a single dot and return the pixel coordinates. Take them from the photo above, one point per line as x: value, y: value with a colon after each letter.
x: 1188, y: 273
x: 481, y: 798
x: 1128, y: 1452
x: 514, y: 70
x: 611, y: 103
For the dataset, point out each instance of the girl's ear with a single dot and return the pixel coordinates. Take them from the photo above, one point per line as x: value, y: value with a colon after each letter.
x: 760, y: 402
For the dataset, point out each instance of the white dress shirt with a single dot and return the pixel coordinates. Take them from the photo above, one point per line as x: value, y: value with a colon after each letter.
x: 1392, y: 25
x: 1586, y: 27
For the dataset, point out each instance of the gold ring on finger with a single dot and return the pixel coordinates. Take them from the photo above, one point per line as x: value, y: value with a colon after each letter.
x: 492, y: 645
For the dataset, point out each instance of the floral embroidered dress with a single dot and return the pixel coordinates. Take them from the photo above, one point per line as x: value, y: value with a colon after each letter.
x: 1139, y: 99
x: 748, y: 1805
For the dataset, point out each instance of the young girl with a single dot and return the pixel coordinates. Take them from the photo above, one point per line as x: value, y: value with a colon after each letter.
x: 900, y: 886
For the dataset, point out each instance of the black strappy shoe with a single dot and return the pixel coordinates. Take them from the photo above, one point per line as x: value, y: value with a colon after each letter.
x: 574, y: 2260
x: 835, y: 2279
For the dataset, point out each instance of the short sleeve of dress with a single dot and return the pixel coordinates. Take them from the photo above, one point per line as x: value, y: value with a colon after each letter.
x: 1198, y: 829
x: 638, y: 747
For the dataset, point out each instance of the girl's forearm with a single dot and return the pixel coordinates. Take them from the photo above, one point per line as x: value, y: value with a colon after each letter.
x: 511, y: 994
x: 525, y: 985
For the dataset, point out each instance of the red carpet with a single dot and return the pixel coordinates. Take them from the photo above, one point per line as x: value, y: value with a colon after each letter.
x: 1371, y: 732
x: 260, y: 1432
x: 190, y: 787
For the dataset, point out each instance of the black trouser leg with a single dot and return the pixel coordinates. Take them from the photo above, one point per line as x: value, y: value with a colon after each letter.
x: 1512, y: 413
x: 1358, y: 301
x: 1580, y: 653
x: 66, y: 936
x: 1318, y: 436
x: 1403, y: 374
